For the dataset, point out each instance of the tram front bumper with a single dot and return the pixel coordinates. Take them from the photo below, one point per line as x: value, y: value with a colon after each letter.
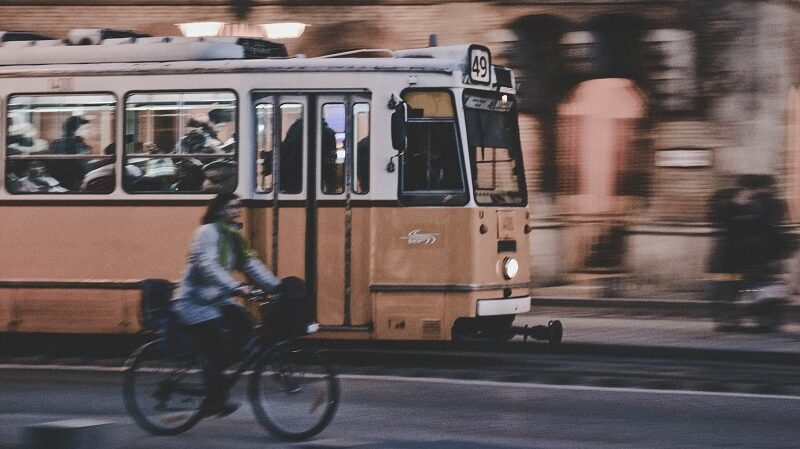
x: 507, y: 306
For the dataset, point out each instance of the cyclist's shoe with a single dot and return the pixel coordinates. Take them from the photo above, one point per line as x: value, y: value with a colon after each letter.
x: 220, y: 410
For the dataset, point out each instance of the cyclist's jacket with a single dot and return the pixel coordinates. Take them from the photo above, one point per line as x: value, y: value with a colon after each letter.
x: 207, y: 284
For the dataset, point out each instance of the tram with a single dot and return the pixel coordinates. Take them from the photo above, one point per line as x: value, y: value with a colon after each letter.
x: 391, y: 181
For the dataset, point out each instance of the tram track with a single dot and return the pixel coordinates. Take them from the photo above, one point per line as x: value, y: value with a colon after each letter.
x: 566, y: 364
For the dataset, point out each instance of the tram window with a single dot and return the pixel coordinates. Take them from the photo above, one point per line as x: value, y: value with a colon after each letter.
x: 430, y: 104
x: 60, y: 143
x: 291, y: 157
x: 180, y: 142
x: 431, y: 161
x: 493, y: 141
x: 265, y: 117
x: 332, y: 150
x: 431, y: 166
x: 361, y: 155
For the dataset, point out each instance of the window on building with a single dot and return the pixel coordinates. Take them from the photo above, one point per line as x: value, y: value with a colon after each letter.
x: 60, y: 143
x: 180, y: 142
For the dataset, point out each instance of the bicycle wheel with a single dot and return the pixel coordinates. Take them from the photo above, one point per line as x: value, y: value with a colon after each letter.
x: 294, y: 393
x: 162, y: 392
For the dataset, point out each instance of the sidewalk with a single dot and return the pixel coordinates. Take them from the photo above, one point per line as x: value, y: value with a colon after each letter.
x: 655, y: 323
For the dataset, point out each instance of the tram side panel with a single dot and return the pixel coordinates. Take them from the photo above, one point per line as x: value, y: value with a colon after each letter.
x: 433, y: 265
x: 63, y: 243
x: 361, y: 261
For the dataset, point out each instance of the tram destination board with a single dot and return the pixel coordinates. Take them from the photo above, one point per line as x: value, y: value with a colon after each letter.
x: 259, y: 48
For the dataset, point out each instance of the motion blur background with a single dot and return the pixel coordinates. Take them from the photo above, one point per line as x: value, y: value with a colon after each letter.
x: 633, y: 113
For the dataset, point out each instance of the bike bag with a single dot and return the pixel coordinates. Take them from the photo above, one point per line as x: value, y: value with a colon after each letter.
x: 159, y: 317
x: 156, y: 296
x: 287, y: 315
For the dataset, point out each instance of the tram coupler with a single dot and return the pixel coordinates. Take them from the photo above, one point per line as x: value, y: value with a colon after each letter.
x: 552, y: 332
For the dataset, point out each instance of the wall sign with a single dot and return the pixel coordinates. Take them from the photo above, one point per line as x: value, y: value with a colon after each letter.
x: 684, y: 158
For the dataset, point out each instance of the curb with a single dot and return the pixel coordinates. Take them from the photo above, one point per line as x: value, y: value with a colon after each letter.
x: 645, y: 307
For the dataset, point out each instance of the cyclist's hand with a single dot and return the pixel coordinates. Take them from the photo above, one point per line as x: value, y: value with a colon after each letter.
x: 242, y: 290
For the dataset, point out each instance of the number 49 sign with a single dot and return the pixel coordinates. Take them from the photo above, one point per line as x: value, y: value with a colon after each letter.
x: 480, y: 64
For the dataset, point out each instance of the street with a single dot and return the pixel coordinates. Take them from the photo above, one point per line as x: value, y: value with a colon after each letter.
x: 404, y: 412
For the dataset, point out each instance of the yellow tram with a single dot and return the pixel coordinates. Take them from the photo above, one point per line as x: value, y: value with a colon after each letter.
x: 393, y: 185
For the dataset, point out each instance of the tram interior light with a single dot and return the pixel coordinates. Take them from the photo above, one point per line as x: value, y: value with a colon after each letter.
x: 200, y: 29
x: 284, y: 30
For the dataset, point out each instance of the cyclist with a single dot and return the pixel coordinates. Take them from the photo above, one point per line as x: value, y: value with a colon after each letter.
x: 204, y: 300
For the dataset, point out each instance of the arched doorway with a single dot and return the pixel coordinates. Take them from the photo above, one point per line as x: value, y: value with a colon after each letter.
x: 598, y: 127
x: 793, y: 155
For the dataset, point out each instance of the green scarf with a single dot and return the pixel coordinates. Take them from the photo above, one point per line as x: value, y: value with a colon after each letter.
x: 230, y: 237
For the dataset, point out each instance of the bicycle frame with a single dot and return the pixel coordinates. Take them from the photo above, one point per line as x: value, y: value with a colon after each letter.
x: 259, y: 348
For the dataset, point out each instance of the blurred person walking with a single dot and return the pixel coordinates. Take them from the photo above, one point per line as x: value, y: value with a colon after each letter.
x: 747, y: 257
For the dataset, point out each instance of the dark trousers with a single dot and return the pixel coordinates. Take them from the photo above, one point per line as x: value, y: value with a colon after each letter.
x: 221, y: 341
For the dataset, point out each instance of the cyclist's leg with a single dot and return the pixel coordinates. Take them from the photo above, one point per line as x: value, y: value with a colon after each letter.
x: 238, y: 323
x: 209, y: 336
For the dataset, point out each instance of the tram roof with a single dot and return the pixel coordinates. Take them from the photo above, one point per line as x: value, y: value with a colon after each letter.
x: 41, y: 56
x: 235, y: 65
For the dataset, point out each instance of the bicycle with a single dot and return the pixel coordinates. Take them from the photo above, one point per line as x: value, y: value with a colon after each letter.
x: 294, y: 391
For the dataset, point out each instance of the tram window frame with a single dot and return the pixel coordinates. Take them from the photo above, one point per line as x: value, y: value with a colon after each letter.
x: 357, y: 155
x: 335, y: 184
x: 265, y: 158
x: 277, y: 102
x: 514, y: 152
x: 52, y: 182
x: 234, y: 154
x: 438, y: 197
x: 301, y: 167
x: 353, y: 154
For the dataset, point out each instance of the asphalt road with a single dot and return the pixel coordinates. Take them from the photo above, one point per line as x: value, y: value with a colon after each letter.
x: 402, y: 412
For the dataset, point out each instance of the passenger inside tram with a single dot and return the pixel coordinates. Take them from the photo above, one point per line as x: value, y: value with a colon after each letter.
x: 100, y: 177
x: 220, y: 174
x: 221, y: 130
x: 70, y: 172
x: 22, y: 139
x: 36, y: 180
x: 291, y: 159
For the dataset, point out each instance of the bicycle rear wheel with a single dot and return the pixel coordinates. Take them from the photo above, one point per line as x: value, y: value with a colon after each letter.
x: 163, y: 392
x: 294, y: 393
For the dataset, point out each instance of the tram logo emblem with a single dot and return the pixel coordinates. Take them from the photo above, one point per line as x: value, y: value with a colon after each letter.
x: 417, y: 237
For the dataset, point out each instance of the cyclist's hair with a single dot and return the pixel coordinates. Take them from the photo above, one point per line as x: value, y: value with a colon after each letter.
x: 216, y: 205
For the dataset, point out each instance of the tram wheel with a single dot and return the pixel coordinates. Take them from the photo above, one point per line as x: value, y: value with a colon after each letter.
x: 493, y: 328
x: 556, y: 332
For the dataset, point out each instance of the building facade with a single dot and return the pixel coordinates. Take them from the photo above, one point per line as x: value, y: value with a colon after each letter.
x: 633, y: 112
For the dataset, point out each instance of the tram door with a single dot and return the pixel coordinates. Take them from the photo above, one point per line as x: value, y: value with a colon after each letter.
x: 341, y: 160
x: 277, y: 223
x: 313, y: 154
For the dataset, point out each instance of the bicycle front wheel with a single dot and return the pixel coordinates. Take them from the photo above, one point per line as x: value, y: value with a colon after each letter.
x: 163, y: 392
x: 294, y: 393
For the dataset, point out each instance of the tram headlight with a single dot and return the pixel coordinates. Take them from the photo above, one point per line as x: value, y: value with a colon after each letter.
x: 510, y: 267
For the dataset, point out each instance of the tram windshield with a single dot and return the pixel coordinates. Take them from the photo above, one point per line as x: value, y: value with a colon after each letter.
x: 494, y: 150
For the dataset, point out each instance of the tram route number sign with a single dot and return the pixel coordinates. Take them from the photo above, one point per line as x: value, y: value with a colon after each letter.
x: 480, y: 65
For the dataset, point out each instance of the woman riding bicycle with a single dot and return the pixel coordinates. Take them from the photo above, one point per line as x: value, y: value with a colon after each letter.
x: 204, y: 300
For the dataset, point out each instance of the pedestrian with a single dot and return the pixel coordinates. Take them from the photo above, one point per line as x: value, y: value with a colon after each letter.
x: 751, y: 243
x: 204, y: 300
